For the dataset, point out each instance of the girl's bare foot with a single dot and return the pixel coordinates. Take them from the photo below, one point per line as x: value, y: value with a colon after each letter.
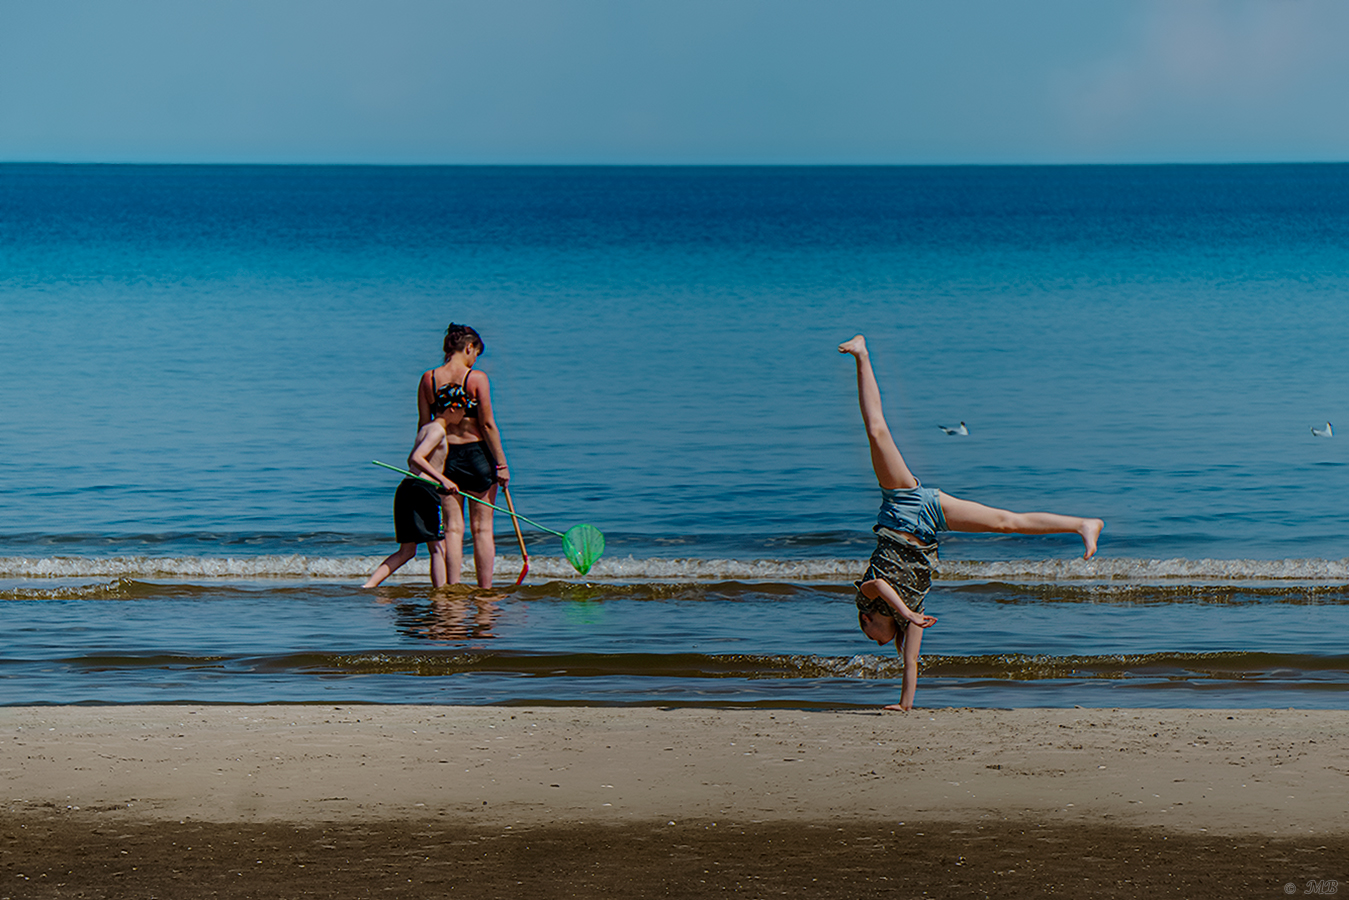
x: 898, y: 707
x: 1090, y: 530
x: 857, y: 346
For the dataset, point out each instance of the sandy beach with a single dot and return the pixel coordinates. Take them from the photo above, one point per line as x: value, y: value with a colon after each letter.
x: 107, y: 801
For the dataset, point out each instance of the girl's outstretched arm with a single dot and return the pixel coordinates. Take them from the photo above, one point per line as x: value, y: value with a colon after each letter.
x: 879, y: 587
x: 913, y: 639
x: 886, y: 460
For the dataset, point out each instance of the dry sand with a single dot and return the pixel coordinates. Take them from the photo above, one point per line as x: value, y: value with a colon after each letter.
x: 842, y: 803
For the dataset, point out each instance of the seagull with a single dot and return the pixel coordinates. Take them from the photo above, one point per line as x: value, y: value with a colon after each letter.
x: 963, y: 430
x: 1323, y: 432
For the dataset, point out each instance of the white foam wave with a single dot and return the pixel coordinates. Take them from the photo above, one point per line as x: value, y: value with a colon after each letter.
x: 1105, y: 569
x: 196, y: 567
x: 681, y: 569
x: 295, y: 566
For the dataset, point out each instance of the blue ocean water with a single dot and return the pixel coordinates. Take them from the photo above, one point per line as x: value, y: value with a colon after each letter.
x: 198, y: 363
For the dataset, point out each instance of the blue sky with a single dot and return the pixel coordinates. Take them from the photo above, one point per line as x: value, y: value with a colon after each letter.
x: 679, y: 81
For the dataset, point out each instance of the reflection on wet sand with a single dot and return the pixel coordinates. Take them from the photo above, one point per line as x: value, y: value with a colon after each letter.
x: 452, y: 613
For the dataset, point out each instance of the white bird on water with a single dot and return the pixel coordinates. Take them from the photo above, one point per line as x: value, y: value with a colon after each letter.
x: 1323, y: 432
x: 963, y: 430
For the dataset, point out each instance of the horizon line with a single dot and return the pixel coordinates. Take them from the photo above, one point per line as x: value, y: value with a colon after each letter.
x: 677, y: 165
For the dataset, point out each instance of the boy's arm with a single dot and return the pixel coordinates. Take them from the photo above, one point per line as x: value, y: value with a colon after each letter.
x: 420, y: 465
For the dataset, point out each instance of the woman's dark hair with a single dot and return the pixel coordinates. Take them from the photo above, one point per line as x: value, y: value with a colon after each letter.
x: 459, y: 337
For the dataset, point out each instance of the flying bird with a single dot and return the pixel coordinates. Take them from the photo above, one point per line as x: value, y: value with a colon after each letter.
x: 963, y: 430
x: 1323, y: 432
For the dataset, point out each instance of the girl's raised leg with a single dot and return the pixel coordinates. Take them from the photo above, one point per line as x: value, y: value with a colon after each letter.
x: 966, y: 515
x: 886, y: 460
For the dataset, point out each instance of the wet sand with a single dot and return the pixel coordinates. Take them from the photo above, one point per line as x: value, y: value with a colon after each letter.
x: 349, y: 801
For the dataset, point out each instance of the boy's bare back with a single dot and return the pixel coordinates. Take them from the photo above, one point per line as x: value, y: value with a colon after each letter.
x: 435, y: 454
x: 428, y: 454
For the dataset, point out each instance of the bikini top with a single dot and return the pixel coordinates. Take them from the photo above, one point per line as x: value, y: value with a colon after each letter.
x: 453, y: 396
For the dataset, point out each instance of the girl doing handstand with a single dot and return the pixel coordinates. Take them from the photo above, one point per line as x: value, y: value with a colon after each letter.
x: 890, y: 595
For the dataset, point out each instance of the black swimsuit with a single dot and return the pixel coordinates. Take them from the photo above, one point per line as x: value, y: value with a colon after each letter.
x: 467, y: 465
x: 470, y: 466
x: 453, y: 396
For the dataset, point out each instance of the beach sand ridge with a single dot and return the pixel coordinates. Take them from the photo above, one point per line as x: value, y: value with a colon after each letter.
x: 403, y: 801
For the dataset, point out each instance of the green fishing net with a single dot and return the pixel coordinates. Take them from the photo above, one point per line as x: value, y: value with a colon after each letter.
x: 584, y: 545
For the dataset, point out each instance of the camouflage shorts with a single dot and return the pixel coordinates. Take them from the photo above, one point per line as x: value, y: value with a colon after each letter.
x: 905, y: 566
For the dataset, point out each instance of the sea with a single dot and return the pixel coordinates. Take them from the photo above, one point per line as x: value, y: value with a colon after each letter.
x: 198, y: 365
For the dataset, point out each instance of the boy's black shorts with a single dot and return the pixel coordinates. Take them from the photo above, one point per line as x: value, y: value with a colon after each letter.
x: 416, y: 513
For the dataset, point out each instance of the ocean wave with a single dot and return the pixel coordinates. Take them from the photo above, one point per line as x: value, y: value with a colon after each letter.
x: 289, y: 566
x: 1099, y: 569
x: 418, y: 592
x: 297, y: 566
x: 1206, y: 591
x: 838, y: 571
x: 1165, y: 666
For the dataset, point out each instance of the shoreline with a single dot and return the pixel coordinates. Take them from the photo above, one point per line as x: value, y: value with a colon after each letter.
x: 1100, y: 570
x: 1271, y: 772
x: 342, y: 801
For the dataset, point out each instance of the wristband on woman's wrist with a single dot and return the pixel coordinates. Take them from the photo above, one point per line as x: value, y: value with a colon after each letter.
x: 503, y: 466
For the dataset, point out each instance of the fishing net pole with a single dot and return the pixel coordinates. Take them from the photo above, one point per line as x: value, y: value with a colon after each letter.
x: 583, y: 545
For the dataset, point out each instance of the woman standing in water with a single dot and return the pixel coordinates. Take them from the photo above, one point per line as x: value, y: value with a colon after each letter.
x: 890, y: 595
x: 475, y: 460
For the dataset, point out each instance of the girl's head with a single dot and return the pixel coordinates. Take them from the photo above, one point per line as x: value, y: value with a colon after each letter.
x: 879, y: 627
x: 460, y: 337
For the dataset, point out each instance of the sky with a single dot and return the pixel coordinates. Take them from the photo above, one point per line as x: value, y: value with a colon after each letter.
x: 674, y: 82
